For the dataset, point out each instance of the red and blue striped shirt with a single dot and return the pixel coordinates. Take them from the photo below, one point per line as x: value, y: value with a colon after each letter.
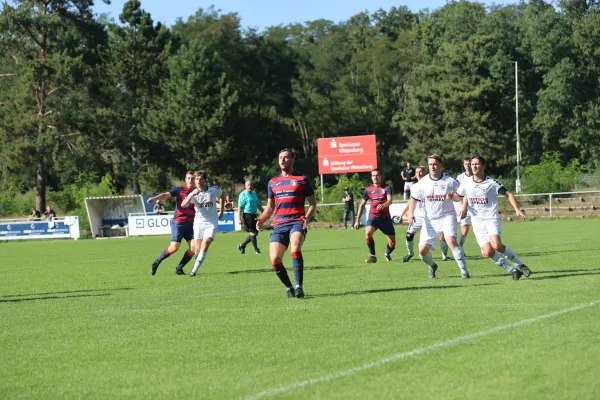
x: 378, y: 195
x: 183, y: 215
x: 290, y: 193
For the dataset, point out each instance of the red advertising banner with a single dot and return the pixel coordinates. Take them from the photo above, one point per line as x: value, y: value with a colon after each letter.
x: 347, y: 155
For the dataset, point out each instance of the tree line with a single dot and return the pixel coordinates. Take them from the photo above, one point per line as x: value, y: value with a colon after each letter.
x: 82, y: 96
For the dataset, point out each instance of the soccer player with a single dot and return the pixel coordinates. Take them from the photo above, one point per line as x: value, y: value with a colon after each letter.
x: 413, y: 228
x: 379, y: 196
x: 182, y: 227
x: 248, y: 204
x: 465, y: 223
x: 436, y: 190
x: 480, y: 195
x: 206, y: 224
x: 408, y: 174
x: 287, y: 194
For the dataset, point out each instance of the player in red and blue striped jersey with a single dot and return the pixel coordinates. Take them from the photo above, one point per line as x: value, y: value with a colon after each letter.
x: 183, y: 224
x: 287, y: 194
x: 379, y: 196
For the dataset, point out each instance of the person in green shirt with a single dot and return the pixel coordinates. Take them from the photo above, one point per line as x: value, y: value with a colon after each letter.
x: 248, y: 203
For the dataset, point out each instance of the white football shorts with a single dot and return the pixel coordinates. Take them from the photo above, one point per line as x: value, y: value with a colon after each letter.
x: 416, y: 227
x: 466, y: 220
x: 407, y: 186
x: 483, y: 228
x: 433, y: 228
x: 205, y: 229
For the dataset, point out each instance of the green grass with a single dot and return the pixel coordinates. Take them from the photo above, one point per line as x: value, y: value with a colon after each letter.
x: 86, y: 319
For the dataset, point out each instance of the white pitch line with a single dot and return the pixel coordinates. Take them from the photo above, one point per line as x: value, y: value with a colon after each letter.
x: 400, y: 356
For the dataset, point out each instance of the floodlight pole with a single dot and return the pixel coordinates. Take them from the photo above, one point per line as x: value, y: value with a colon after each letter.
x: 518, y: 182
x: 322, y: 190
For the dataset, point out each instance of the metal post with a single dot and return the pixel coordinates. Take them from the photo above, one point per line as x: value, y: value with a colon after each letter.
x: 518, y: 182
x: 322, y: 190
x: 550, y: 197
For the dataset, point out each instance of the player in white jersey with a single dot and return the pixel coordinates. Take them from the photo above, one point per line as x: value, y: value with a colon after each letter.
x: 480, y: 198
x: 206, y: 220
x: 465, y: 223
x: 436, y: 192
x: 419, y: 215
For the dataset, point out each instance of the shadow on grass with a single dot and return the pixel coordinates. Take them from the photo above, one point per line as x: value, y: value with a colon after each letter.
x: 565, y: 274
x: 337, y: 248
x: 53, y: 297
x: 550, y: 252
x: 401, y: 289
x: 66, y: 292
x: 541, y: 278
x: 267, y: 270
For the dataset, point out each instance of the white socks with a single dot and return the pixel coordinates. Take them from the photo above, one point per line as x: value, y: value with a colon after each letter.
x: 199, y: 259
x: 508, y: 253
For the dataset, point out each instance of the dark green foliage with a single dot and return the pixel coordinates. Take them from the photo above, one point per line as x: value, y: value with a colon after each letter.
x: 86, y: 97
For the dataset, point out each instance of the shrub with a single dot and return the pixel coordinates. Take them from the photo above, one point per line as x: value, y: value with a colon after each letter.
x: 551, y: 176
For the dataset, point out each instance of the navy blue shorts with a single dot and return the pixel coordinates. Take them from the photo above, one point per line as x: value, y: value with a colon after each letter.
x: 281, y: 233
x: 182, y: 231
x: 385, y: 225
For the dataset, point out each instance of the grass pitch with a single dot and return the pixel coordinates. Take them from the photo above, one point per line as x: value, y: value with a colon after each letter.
x: 86, y: 319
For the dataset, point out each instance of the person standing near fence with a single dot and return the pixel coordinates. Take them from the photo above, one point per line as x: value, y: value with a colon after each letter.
x: 379, y: 196
x: 408, y: 174
x: 348, y: 200
x: 248, y: 204
x: 479, y: 196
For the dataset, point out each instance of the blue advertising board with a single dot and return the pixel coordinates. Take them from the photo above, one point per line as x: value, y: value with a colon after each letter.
x: 227, y: 222
x: 55, y: 229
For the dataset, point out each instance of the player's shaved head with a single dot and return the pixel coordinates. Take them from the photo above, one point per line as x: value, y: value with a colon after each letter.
x: 480, y: 158
x: 435, y: 157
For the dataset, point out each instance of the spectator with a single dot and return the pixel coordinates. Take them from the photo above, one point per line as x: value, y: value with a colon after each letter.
x: 408, y: 174
x: 49, y: 214
x: 35, y: 215
x: 228, y: 204
x: 348, y: 200
x: 159, y: 208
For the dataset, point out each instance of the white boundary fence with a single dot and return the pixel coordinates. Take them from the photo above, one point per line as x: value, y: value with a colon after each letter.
x: 550, y: 207
x: 557, y: 196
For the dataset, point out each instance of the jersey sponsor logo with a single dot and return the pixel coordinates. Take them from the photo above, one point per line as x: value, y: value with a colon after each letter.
x: 287, y: 182
x: 436, y: 197
x: 206, y: 205
x: 479, y: 200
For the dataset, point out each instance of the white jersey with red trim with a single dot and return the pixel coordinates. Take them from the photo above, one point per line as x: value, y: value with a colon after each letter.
x: 432, y: 193
x: 205, y: 204
x: 482, y: 197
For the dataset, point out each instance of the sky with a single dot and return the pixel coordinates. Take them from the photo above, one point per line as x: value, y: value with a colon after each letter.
x: 264, y: 13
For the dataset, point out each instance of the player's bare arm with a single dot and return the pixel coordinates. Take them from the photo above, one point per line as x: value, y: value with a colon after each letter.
x: 361, y: 208
x: 239, y: 212
x: 515, y: 204
x: 221, y: 206
x: 312, y: 208
x: 187, y: 200
x: 387, y: 203
x: 162, y: 196
x: 267, y: 212
x: 463, y: 207
x: 454, y: 197
x: 410, y: 216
